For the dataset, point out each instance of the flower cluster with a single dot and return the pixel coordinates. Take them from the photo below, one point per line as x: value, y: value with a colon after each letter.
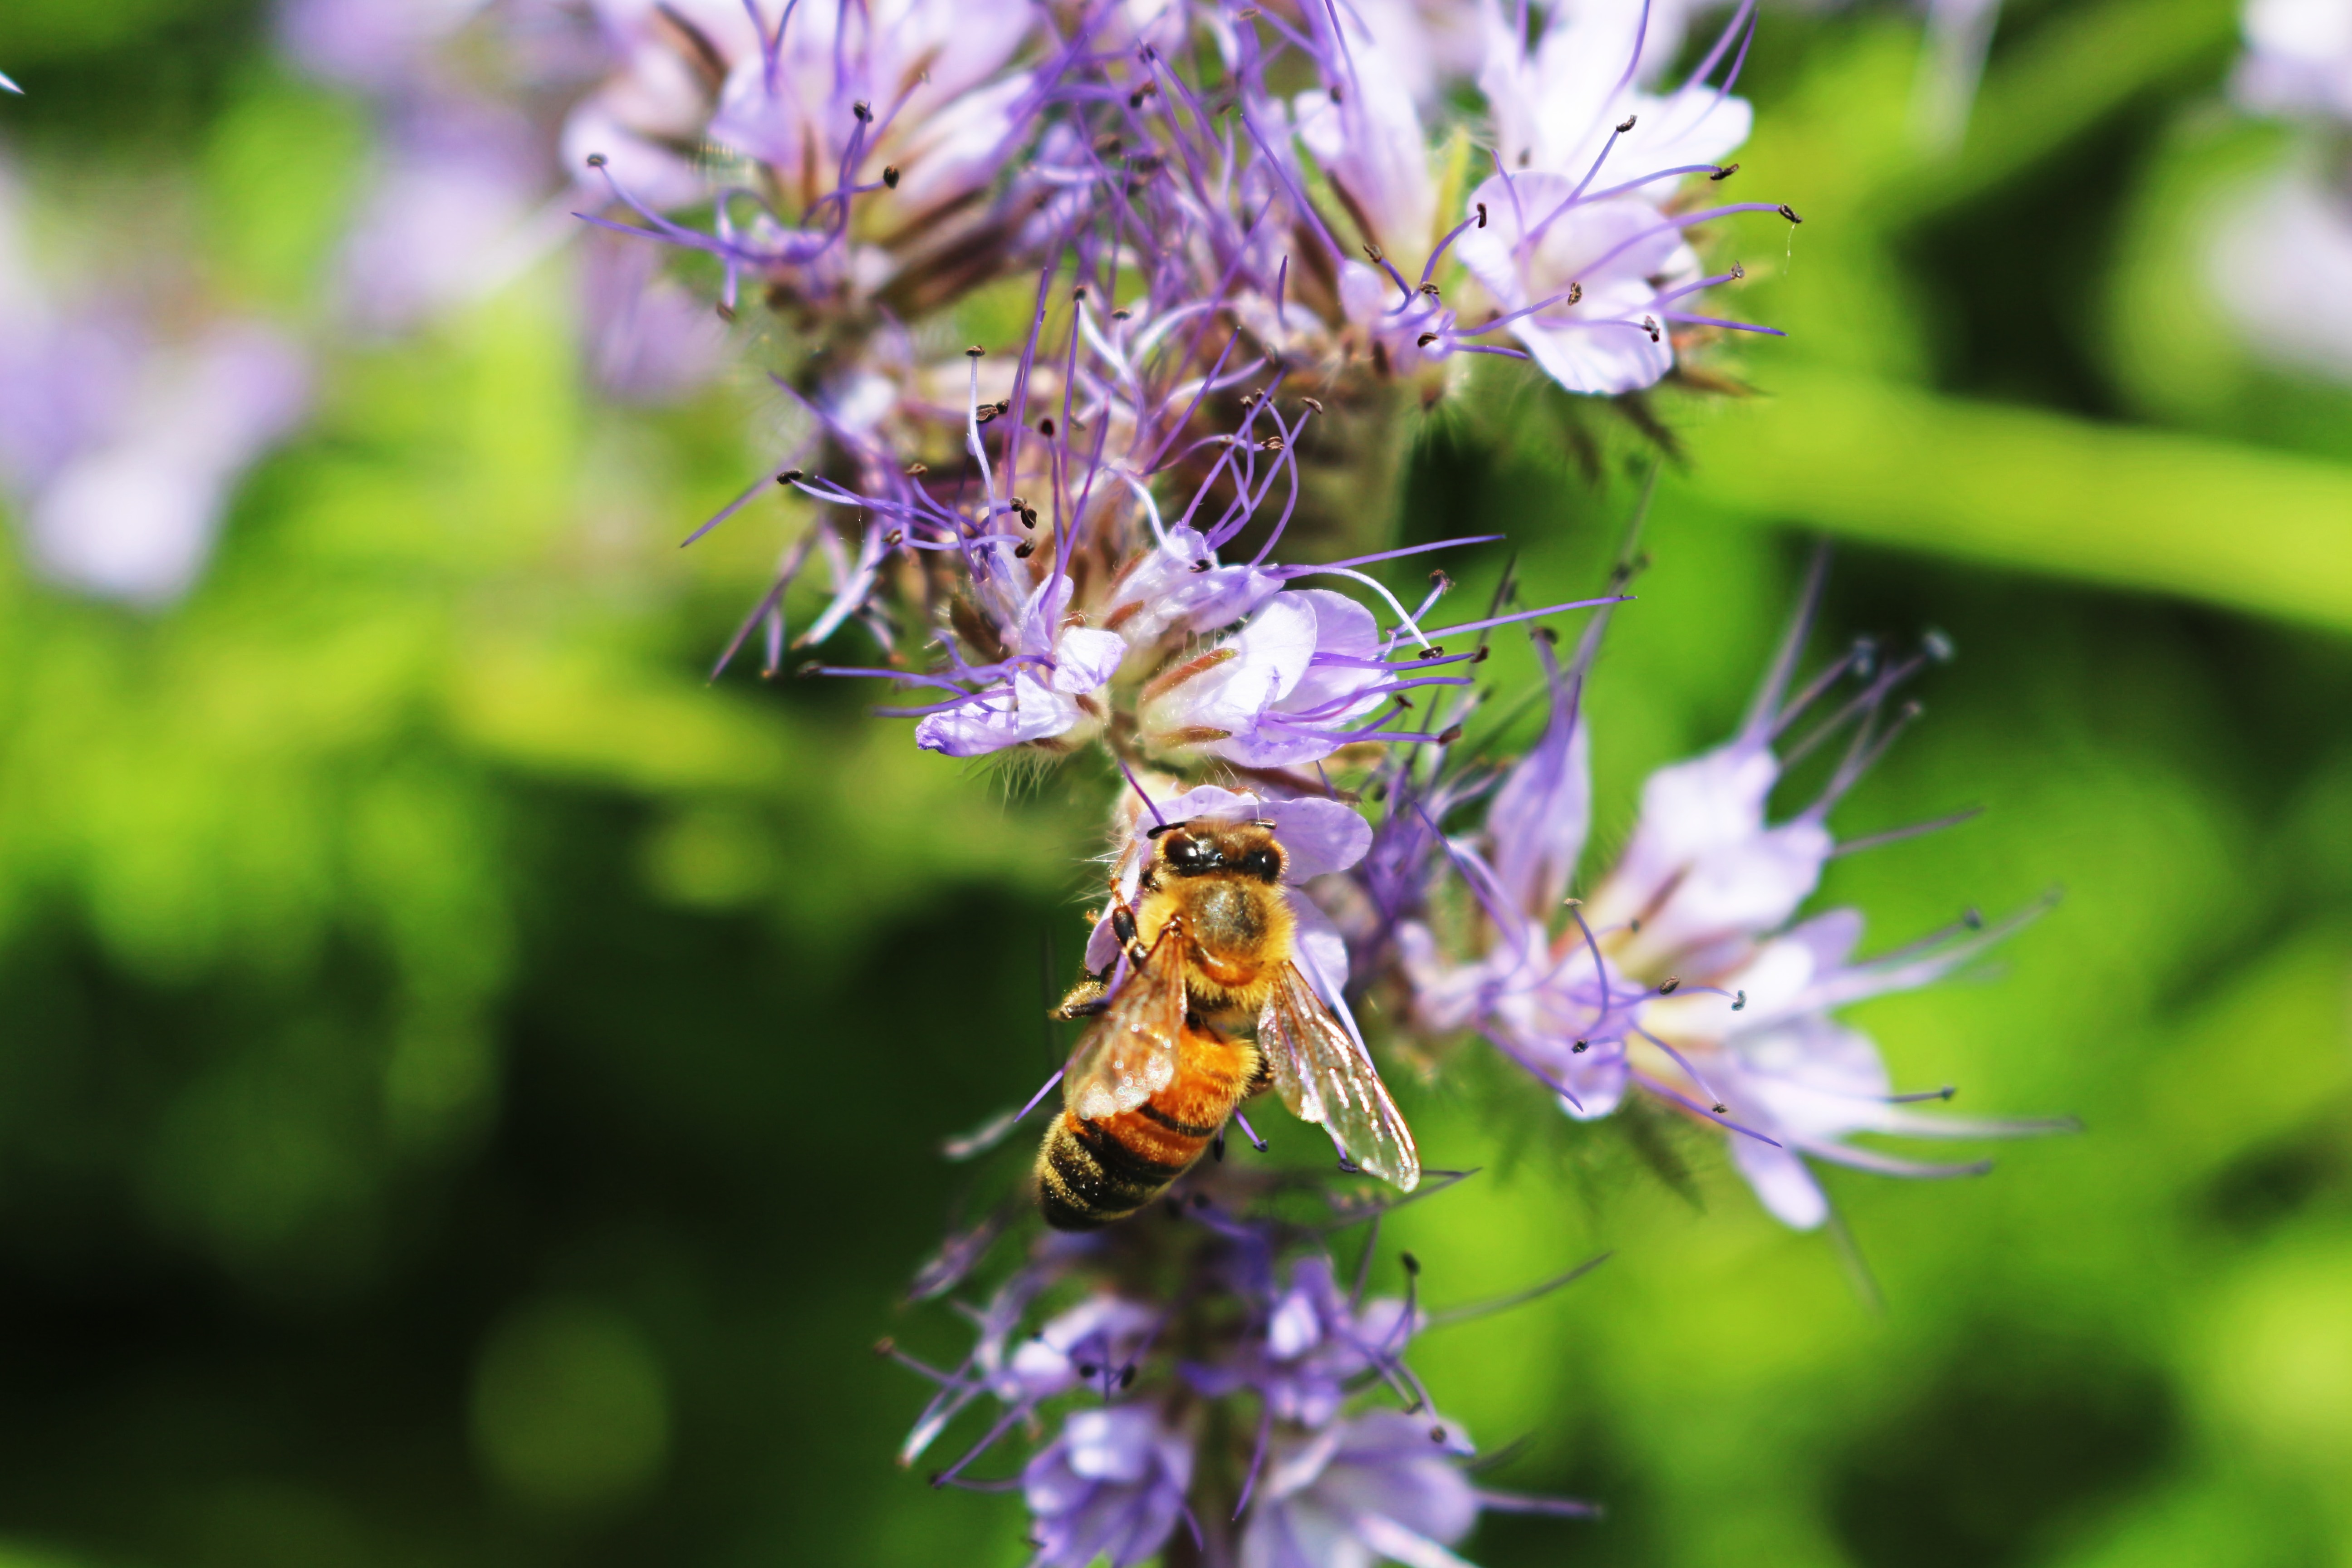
x: 1683, y: 972
x: 1261, y: 1409
x: 1097, y: 328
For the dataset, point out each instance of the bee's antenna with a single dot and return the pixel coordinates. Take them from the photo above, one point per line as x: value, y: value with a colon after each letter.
x: 1139, y: 791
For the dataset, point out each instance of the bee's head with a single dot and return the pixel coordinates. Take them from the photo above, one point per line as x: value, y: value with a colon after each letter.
x: 1197, y: 848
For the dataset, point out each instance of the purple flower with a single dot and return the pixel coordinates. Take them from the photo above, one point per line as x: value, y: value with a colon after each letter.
x: 2279, y: 262
x: 1681, y: 975
x: 1179, y: 586
x: 912, y: 85
x: 1569, y: 235
x: 1313, y: 1344
x: 1044, y: 685
x: 2298, y: 58
x: 650, y: 338
x: 122, y: 447
x: 1111, y: 1485
x: 446, y: 218
x: 1383, y: 1487
x: 668, y: 64
x: 373, y: 43
x: 1290, y: 686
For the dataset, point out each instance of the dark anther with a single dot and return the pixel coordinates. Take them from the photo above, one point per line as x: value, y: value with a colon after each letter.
x: 1789, y: 212
x: 1028, y: 517
x: 1271, y: 444
x: 791, y: 477
x: 1316, y: 404
x: 1721, y: 1108
x: 1135, y: 99
x: 805, y: 670
x: 1669, y: 985
x: 1482, y: 214
x: 1649, y: 325
x: 1482, y: 654
x: 1374, y: 252
x: 1425, y: 338
x: 1217, y: 1150
x: 890, y: 175
x: 1249, y: 400
x: 1634, y: 926
x: 1335, y: 94
x: 1431, y: 289
x: 864, y: 110
x: 885, y: 1345
x: 726, y: 311
x: 1108, y: 145
x: 1120, y: 315
x: 1739, y: 1002
x: 896, y: 536
x: 1724, y: 172
x: 1200, y: 1201
x: 1451, y: 733
x: 1437, y: 1434
x: 1972, y: 918
x: 1025, y: 550
x: 596, y: 160
x: 1045, y: 427
x: 1575, y: 292
x: 1580, y: 1048
x: 1546, y: 636
x: 1247, y: 14
x: 1411, y: 1264
x: 1127, y: 1373
x: 1627, y: 124
x: 1202, y: 564
x: 1440, y: 581
x: 1738, y: 272
x: 1088, y: 1369
x: 974, y: 351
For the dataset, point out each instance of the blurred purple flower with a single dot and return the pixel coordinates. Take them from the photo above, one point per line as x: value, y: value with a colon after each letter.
x: 1111, y: 1485
x: 2279, y: 262
x: 372, y: 44
x: 444, y: 218
x: 2298, y: 58
x: 1383, y: 1487
x: 122, y: 447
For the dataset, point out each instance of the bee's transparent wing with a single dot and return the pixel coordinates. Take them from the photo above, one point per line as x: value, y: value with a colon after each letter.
x: 1129, y: 1054
x: 1325, y: 1076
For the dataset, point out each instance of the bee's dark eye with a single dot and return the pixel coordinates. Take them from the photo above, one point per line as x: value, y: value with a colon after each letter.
x: 1189, y: 855
x: 1262, y: 864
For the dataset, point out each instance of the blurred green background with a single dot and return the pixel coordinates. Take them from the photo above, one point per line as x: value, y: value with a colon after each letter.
x: 470, y: 1089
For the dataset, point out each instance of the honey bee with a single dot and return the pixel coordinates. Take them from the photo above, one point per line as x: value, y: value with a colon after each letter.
x: 1209, y: 942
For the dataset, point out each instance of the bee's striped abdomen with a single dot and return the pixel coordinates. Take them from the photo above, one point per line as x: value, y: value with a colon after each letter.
x: 1092, y: 1172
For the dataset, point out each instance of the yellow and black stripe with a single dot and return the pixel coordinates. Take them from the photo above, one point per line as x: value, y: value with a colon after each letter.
x: 1091, y: 1173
